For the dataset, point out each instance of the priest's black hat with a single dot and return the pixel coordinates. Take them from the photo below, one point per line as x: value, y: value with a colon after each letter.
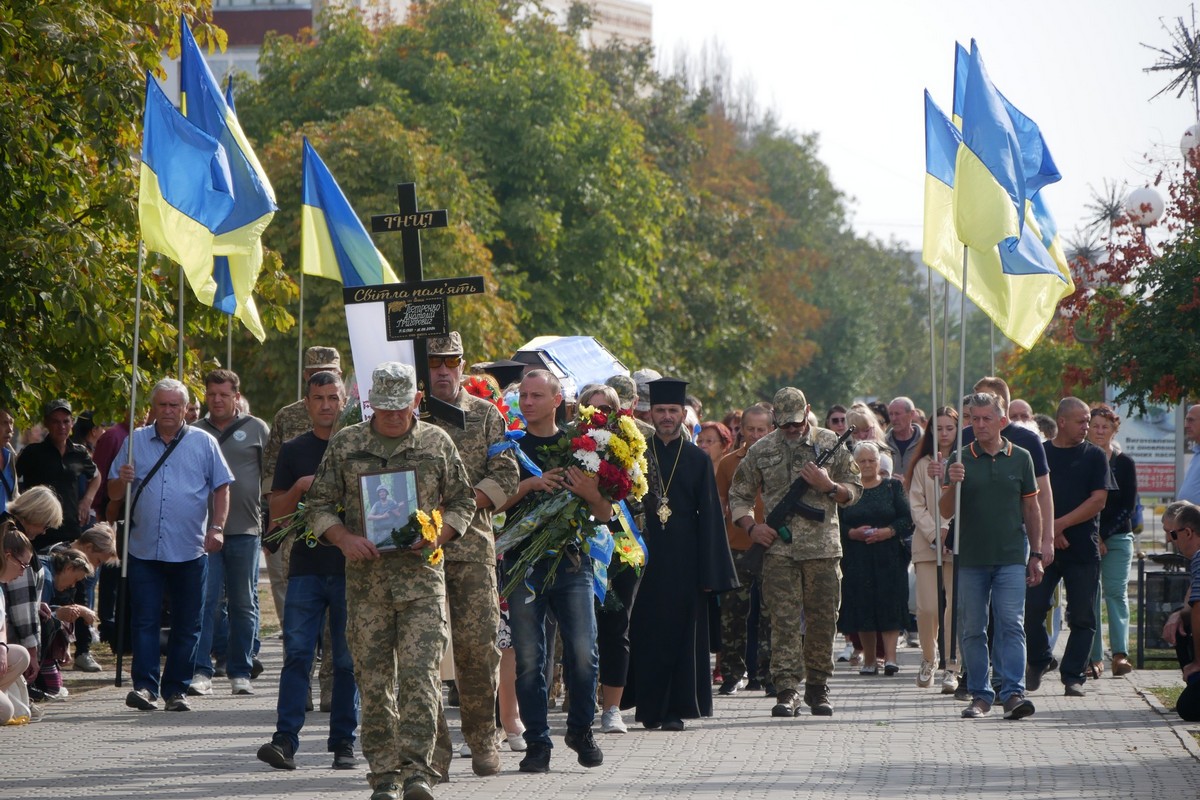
x: 667, y: 391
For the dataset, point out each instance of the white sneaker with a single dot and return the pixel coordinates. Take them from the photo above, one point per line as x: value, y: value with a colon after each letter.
x: 925, y: 675
x: 465, y: 750
x: 240, y: 686
x: 949, y: 682
x: 59, y: 696
x: 844, y: 656
x: 611, y: 721
x: 516, y: 742
x: 201, y: 685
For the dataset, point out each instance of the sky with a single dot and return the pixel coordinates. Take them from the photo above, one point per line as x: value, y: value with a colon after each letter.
x: 854, y: 73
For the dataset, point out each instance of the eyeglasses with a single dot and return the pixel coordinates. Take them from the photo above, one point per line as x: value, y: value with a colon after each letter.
x: 792, y: 426
x: 1175, y: 533
x: 24, y: 564
x: 837, y: 420
x: 449, y: 361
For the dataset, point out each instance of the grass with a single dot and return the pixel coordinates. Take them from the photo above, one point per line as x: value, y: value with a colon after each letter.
x: 1167, y: 695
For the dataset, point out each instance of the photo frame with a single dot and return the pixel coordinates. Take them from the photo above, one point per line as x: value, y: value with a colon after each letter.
x: 388, y: 499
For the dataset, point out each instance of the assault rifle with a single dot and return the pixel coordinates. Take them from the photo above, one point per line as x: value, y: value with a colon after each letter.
x: 792, y: 504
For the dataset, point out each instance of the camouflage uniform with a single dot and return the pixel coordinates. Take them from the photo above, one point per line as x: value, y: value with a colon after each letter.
x: 471, y: 579
x: 803, y: 576
x: 396, y: 625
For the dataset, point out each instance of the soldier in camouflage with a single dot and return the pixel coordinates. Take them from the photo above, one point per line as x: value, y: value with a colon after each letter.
x: 471, y: 559
x: 803, y: 575
x: 396, y: 599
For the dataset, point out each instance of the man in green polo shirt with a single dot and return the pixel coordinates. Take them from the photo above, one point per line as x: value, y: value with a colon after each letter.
x: 999, y: 493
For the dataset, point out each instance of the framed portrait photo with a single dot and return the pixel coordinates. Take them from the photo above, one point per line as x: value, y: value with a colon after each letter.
x: 389, y: 501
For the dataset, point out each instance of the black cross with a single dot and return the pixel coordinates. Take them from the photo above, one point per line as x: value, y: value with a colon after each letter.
x: 410, y: 222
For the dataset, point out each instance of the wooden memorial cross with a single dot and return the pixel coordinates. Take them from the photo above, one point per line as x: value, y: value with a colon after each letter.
x: 416, y: 309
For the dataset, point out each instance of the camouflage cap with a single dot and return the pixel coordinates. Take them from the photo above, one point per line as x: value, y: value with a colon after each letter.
x: 642, y: 379
x: 625, y: 387
x: 56, y: 405
x: 449, y: 345
x: 790, y: 406
x: 393, y: 386
x: 322, y: 358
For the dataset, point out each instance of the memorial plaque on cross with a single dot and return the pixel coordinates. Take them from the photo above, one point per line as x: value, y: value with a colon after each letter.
x: 416, y: 308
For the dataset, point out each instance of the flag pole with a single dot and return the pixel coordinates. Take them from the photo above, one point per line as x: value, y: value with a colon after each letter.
x: 179, y: 358
x: 123, y: 585
x: 229, y: 344
x: 962, y: 410
x: 992, y: 351
x: 300, y: 344
x: 946, y: 338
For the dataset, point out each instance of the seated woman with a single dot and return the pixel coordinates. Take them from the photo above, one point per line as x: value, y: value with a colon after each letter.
x: 14, y: 659
x: 64, y: 569
x: 875, y: 555
x: 98, y: 543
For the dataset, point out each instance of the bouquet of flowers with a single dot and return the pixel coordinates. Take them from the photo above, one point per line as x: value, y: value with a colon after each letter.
x: 609, y: 446
x: 421, y: 526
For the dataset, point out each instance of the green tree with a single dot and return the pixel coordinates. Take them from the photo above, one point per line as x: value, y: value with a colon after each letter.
x: 71, y: 96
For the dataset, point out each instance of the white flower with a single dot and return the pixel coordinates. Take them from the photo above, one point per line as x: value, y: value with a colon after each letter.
x: 589, y: 460
x: 601, y: 437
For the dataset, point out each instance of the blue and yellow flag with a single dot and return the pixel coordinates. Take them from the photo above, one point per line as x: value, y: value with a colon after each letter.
x: 1019, y: 288
x: 185, y: 184
x: 1036, y: 162
x: 239, y: 237
x: 333, y: 242
x: 989, y: 187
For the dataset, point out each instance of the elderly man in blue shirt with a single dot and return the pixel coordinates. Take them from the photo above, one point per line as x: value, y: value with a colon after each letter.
x: 174, y: 471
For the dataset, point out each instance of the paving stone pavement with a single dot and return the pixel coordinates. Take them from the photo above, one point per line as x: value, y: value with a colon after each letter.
x: 887, y: 739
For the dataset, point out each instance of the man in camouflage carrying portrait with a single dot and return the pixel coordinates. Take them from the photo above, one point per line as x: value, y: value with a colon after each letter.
x: 395, y: 599
x: 802, y: 575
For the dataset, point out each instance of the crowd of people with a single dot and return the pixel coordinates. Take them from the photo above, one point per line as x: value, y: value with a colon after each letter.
x: 769, y: 533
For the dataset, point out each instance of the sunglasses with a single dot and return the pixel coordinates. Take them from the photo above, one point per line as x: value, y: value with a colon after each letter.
x: 603, y: 409
x: 792, y: 426
x: 24, y: 564
x: 837, y: 420
x: 1175, y: 533
x: 449, y: 361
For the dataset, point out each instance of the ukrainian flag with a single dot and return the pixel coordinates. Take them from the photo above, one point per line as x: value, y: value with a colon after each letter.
x: 333, y: 242
x: 989, y: 188
x: 239, y: 238
x: 1036, y: 162
x: 185, y: 184
x: 1018, y: 288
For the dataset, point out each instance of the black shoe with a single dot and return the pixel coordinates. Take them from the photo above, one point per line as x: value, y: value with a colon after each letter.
x: 769, y: 689
x: 787, y: 705
x: 277, y: 754
x: 256, y: 667
x: 537, y: 758
x: 452, y: 694
x: 1017, y: 707
x: 582, y: 742
x: 141, y: 699
x: 816, y: 697
x: 1033, y: 677
x: 674, y: 725
x: 1074, y: 690
x: 755, y: 685
x: 729, y: 686
x: 343, y: 755
x: 386, y: 791
x: 219, y: 669
x: 417, y: 788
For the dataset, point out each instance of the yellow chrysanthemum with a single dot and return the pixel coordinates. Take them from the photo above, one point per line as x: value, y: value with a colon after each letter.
x: 620, y: 451
x: 586, y: 412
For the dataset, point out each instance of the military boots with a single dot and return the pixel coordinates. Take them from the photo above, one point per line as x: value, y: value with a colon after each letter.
x: 788, y: 704
x: 816, y: 697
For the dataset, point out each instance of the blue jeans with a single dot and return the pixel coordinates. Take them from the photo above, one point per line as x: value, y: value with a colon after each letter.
x: 183, y: 584
x: 1081, y: 579
x: 1114, y: 581
x: 309, y: 599
x: 233, y: 569
x: 570, y: 597
x: 1002, y: 589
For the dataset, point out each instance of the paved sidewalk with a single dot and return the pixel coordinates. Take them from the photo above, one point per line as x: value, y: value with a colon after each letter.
x: 888, y: 739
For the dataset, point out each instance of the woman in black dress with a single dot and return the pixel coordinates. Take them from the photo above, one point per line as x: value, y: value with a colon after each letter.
x: 876, y: 532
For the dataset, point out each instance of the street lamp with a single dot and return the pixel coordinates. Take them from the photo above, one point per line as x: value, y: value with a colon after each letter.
x: 1188, y: 143
x: 1144, y: 207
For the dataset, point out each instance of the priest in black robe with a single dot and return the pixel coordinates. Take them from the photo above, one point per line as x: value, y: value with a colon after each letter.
x: 687, y: 558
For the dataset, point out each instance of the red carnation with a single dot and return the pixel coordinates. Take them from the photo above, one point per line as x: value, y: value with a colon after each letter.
x: 614, y: 482
x: 599, y: 420
x: 584, y: 443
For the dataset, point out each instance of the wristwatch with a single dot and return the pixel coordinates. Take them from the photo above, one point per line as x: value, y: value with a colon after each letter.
x: 216, y: 528
x: 1038, y: 556
x: 833, y: 492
